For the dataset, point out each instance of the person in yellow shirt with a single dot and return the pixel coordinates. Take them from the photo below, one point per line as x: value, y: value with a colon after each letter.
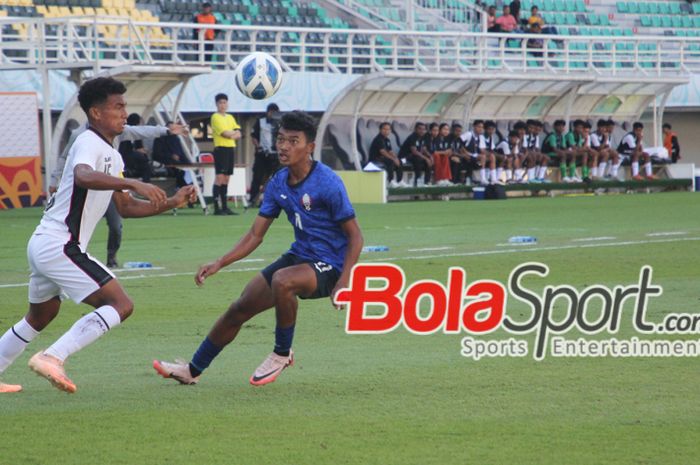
x: 535, y: 18
x: 226, y: 132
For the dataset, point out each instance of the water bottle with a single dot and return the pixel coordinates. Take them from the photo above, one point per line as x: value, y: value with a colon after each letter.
x: 522, y: 239
x: 375, y: 248
x: 138, y: 265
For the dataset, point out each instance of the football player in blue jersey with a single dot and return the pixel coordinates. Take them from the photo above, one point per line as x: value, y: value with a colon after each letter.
x: 327, y: 244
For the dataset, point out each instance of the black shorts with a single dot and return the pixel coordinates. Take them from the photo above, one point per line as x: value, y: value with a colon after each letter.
x: 326, y: 275
x: 223, y: 160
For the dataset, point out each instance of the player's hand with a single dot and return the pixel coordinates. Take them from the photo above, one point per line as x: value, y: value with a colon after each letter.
x: 184, y: 195
x: 52, y: 189
x: 205, y: 271
x: 340, y: 285
x: 178, y: 129
x: 153, y: 193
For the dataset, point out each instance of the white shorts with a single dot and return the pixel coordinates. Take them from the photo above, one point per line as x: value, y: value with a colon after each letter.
x: 57, y: 266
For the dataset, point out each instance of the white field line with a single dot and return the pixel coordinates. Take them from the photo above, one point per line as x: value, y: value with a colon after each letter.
x: 126, y: 270
x: 430, y: 249
x: 670, y: 233
x: 594, y: 239
x: 427, y: 257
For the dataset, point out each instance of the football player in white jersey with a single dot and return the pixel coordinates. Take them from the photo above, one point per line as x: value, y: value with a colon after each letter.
x: 57, y: 251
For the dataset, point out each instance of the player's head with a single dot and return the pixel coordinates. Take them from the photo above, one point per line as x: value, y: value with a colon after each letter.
x: 478, y: 127
x: 272, y: 109
x: 206, y: 8
x: 602, y: 125
x: 444, y: 130
x: 536, y: 127
x: 666, y: 128
x: 586, y: 129
x: 534, y: 11
x: 514, y: 136
x: 638, y: 128
x: 296, y: 136
x: 578, y: 126
x: 134, y: 119
x: 221, y: 103
x: 420, y: 129
x: 385, y: 129
x: 456, y: 129
x: 520, y: 127
x: 490, y: 127
x: 102, y: 100
x: 560, y: 126
x: 434, y: 129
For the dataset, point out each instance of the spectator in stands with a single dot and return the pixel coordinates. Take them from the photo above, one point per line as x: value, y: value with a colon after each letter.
x: 382, y: 155
x: 535, y: 44
x: 135, y: 156
x: 114, y: 221
x: 441, y: 152
x: 412, y: 150
x: 556, y: 148
x: 264, y: 137
x: 515, y: 10
x: 506, y: 21
x: 460, y: 160
x: 487, y: 161
x: 226, y: 132
x: 600, y: 141
x: 671, y: 143
x: 632, y: 147
x: 506, y: 152
x: 491, y: 20
x: 206, y: 17
x: 535, y: 18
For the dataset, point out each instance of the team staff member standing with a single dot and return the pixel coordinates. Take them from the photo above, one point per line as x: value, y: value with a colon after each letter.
x: 266, y: 161
x: 226, y: 132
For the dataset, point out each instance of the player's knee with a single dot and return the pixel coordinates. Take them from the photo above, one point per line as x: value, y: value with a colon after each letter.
x: 281, y: 282
x: 124, y: 306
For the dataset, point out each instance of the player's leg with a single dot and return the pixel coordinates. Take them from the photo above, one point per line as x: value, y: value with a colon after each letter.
x: 114, y: 238
x: 542, y: 165
x: 615, y: 163
x: 646, y: 158
x: 603, y: 162
x: 634, y: 164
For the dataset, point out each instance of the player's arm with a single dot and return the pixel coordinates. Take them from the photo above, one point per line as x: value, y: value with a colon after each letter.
x: 88, y: 178
x: 244, y: 247
x: 129, y: 207
x: 355, y: 241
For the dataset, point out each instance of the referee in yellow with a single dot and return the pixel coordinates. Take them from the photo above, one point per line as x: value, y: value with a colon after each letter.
x: 226, y: 132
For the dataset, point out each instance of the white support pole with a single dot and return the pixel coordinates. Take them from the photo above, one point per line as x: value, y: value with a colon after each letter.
x: 570, y: 99
x: 662, y: 109
x: 46, y: 123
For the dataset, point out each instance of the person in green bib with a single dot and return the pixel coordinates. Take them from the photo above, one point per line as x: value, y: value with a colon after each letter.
x: 556, y: 146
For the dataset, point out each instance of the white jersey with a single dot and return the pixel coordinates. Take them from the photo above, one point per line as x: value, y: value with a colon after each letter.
x: 531, y: 142
x: 504, y: 148
x: 628, y: 144
x: 598, y: 140
x: 73, y: 211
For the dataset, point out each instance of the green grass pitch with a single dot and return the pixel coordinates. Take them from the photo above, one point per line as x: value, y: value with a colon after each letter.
x: 396, y: 398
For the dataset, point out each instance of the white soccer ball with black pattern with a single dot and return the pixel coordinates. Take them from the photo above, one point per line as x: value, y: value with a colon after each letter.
x: 258, y: 76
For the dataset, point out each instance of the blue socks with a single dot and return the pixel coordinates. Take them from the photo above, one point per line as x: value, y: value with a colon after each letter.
x: 203, y: 357
x: 283, y: 340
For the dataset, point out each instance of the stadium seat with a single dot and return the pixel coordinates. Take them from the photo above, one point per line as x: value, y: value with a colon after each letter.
x: 675, y: 8
x: 654, y: 8
x: 656, y: 21
x: 646, y: 21
x: 664, y: 8
x: 622, y: 7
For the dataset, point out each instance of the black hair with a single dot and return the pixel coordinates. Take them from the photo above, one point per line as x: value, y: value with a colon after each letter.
x: 418, y: 124
x: 519, y: 125
x: 133, y: 119
x: 433, y: 125
x: 637, y: 125
x: 578, y: 122
x: 560, y: 122
x: 272, y: 107
x: 96, y: 91
x: 220, y: 97
x: 206, y: 5
x: 456, y: 125
x: 666, y: 126
x: 513, y: 133
x: 477, y: 121
x: 298, y: 120
x: 443, y: 125
x: 602, y: 122
x: 534, y: 7
x: 531, y: 122
x: 490, y: 124
x: 611, y: 122
x: 385, y: 123
x: 587, y: 125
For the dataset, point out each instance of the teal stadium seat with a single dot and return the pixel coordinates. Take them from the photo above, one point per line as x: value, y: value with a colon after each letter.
x: 656, y: 21
x: 549, y: 5
x: 604, y: 20
x: 687, y: 21
x: 622, y: 7
x: 646, y: 21
x: 633, y: 8
x: 581, y: 6
x: 664, y: 8
x: 654, y: 8
x: 675, y: 8
x: 666, y: 21
x: 696, y: 21
x: 644, y: 8
x: 696, y: 8
x: 594, y: 19
x: 676, y: 22
x: 627, y: 32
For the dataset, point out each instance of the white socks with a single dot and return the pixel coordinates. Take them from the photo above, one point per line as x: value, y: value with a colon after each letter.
x: 84, y: 332
x: 647, y: 168
x: 601, y: 168
x: 635, y: 168
x: 615, y: 168
x: 541, y: 172
x: 531, y: 174
x: 14, y: 341
x: 519, y: 173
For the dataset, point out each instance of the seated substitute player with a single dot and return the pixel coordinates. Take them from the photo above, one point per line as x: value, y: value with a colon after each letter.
x: 474, y: 146
x: 600, y: 141
x: 556, y: 147
x: 460, y: 160
x: 536, y: 161
x: 381, y: 154
x: 57, y: 250
x: 441, y: 151
x: 327, y: 245
x: 632, y: 147
x: 487, y: 158
x: 412, y: 150
x: 506, y: 152
x: 575, y: 141
x: 671, y: 143
x: 521, y: 158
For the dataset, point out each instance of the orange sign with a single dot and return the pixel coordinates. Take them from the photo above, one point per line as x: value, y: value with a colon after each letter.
x: 20, y: 182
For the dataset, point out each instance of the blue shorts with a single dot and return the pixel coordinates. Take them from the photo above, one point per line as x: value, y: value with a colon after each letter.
x: 326, y: 275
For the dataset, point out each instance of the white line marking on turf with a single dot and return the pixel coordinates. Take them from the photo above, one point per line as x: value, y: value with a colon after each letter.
x: 430, y: 249
x: 670, y: 233
x: 516, y: 244
x: 594, y: 239
x: 139, y: 269
x: 426, y: 257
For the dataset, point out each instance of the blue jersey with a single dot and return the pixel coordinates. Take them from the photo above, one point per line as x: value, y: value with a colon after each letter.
x: 316, y: 207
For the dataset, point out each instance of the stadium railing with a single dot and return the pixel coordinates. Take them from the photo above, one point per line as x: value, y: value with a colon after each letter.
x: 55, y: 41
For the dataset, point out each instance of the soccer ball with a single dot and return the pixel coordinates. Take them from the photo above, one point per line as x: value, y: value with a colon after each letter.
x: 258, y: 76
